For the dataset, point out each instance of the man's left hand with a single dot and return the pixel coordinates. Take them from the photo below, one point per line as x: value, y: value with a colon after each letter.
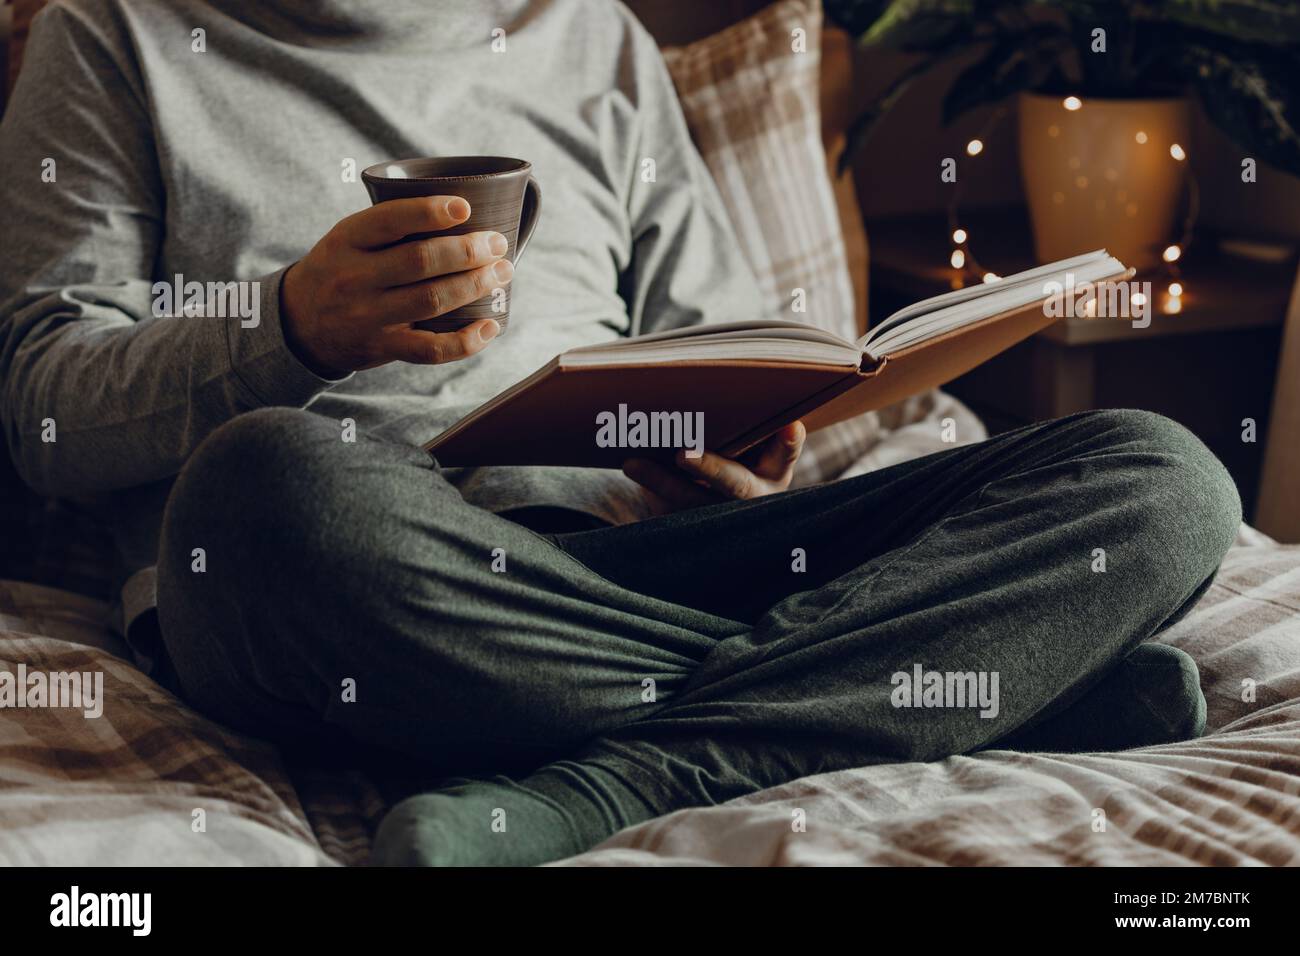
x: 763, y: 470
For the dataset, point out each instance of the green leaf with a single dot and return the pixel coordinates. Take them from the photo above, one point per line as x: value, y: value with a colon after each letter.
x: 855, y: 16
x: 1016, y: 62
x: 1260, y: 21
x: 920, y: 24
x: 998, y: 74
x: 1256, y: 102
x: 861, y: 128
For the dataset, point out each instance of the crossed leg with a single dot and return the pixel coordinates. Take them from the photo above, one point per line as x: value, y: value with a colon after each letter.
x: 623, y: 673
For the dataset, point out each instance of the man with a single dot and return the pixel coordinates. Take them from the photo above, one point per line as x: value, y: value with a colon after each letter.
x: 312, y: 589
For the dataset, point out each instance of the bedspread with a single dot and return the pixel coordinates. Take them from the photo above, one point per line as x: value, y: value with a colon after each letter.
x: 151, y: 781
x: 1229, y: 798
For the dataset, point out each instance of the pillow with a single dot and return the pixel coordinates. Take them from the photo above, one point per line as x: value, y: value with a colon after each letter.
x: 752, y: 103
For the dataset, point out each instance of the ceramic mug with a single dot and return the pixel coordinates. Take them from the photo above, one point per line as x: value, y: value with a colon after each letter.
x: 503, y: 197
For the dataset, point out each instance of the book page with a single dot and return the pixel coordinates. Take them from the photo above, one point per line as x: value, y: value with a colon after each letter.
x: 999, y: 297
x: 782, y: 327
x: 948, y: 299
x: 775, y: 340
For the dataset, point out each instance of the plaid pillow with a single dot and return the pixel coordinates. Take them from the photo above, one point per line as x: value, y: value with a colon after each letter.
x: 751, y: 103
x: 751, y: 97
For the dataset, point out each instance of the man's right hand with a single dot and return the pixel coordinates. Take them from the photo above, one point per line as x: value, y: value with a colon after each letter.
x: 350, y: 303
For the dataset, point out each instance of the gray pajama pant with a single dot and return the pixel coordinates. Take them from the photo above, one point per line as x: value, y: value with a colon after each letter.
x: 616, y: 674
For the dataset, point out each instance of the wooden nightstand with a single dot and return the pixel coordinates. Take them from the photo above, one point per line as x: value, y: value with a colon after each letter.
x: 1209, y: 366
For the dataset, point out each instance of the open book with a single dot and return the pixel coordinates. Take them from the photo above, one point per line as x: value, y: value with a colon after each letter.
x: 741, y: 381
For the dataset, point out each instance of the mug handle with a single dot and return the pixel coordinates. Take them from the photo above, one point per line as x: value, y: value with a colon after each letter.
x: 528, y: 213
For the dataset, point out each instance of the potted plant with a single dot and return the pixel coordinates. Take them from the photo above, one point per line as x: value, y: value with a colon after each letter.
x: 1102, y: 92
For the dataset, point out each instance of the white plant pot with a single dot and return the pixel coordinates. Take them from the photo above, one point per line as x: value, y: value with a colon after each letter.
x: 1103, y: 175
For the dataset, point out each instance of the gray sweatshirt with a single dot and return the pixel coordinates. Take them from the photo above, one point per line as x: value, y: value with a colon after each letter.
x: 220, y: 140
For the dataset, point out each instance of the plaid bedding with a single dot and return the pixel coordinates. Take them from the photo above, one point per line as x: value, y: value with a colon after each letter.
x: 149, y: 780
x: 1230, y: 798
x: 124, y: 788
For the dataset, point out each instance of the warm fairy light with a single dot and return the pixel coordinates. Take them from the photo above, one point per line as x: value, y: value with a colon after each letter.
x: 1174, y: 303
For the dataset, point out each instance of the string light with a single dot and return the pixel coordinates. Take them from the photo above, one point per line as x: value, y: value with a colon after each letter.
x: 963, y: 259
x: 1174, y: 303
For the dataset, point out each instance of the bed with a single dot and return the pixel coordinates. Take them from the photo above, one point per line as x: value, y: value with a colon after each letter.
x: 150, y: 781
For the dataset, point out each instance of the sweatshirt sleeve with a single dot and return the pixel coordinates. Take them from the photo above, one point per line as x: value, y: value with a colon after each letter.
x: 686, y: 266
x: 97, y: 391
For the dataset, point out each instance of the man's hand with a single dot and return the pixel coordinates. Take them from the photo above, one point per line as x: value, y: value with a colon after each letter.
x: 763, y: 470
x: 350, y: 303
